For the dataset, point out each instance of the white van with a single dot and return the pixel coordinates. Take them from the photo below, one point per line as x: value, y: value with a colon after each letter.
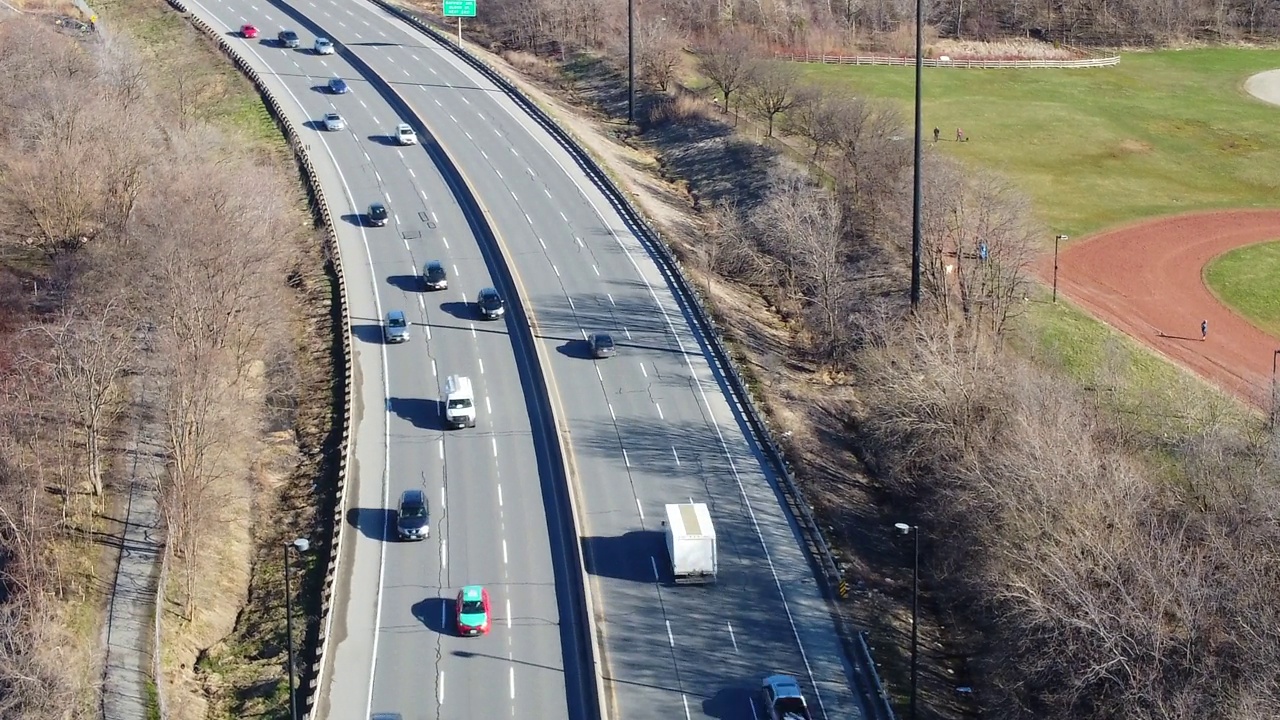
x: 459, y: 402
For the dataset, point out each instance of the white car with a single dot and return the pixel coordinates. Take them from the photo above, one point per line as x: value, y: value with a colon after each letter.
x: 334, y: 122
x: 324, y: 46
x: 405, y: 135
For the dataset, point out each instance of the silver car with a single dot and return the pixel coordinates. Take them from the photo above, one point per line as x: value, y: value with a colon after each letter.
x: 334, y: 122
x: 323, y: 46
x: 396, y: 329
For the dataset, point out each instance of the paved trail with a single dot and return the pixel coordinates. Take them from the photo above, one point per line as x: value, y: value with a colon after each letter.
x: 1265, y: 86
x: 128, y: 634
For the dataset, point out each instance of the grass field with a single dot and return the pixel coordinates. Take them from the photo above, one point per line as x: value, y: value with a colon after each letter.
x: 1162, y: 132
x: 1245, y: 280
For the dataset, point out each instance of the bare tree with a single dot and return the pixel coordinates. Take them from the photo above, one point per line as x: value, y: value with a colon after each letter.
x: 728, y: 62
x: 815, y: 116
x: 658, y: 50
x: 801, y: 224
x: 90, y: 353
x: 771, y: 90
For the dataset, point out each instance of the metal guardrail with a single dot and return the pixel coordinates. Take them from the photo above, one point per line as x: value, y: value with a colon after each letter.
x: 829, y: 576
x: 310, y: 679
x: 936, y: 62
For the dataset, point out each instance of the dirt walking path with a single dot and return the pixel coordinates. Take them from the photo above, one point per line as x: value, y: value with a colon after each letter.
x: 1146, y: 280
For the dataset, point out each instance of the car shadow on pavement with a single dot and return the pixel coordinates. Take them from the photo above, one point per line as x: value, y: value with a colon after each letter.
x: 733, y: 702
x: 314, y: 125
x: 373, y: 523
x: 322, y: 89
x: 577, y: 349
x: 460, y: 310
x: 385, y: 140
x: 631, y: 557
x: 371, y: 334
x: 407, y: 283
x: 435, y: 613
x: 353, y: 219
x: 424, y: 413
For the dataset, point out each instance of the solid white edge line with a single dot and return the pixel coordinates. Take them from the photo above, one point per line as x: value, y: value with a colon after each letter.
x: 386, y: 467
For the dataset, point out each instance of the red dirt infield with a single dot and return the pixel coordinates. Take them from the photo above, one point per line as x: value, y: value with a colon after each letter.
x: 1145, y: 279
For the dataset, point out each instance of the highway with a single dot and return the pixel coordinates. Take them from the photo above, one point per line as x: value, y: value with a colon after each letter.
x: 396, y: 649
x: 650, y: 426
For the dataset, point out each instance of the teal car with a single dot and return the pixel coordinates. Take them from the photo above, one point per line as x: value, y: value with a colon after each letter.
x: 473, y: 610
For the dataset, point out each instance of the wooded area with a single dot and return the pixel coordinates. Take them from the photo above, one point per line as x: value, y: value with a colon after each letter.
x: 868, y: 25
x: 138, y: 244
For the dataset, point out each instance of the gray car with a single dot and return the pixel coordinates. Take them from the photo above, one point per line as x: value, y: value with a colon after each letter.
x: 434, y: 276
x: 396, y: 329
x: 490, y: 304
x: 288, y: 38
x: 413, y: 516
x: 601, y: 345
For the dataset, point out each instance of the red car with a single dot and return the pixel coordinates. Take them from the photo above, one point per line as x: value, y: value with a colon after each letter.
x: 473, y: 610
x: 248, y: 31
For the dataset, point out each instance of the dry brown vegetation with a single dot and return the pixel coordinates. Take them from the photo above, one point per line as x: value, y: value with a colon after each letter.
x: 886, y: 26
x: 160, y: 248
x: 1090, y: 552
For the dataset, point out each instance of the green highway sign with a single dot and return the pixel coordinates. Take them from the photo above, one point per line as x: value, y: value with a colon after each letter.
x: 459, y: 8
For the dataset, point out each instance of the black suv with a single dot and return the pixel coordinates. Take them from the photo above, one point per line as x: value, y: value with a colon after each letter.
x: 434, y: 277
x: 413, y: 519
x: 491, y: 305
x: 288, y: 38
x: 378, y: 214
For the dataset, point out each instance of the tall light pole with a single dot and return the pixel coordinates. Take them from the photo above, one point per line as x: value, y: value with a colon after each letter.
x: 1056, y: 239
x: 631, y: 62
x: 1274, y: 389
x: 917, y: 214
x: 301, y: 545
x: 906, y: 529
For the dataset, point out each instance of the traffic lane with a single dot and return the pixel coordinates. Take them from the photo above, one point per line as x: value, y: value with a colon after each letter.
x: 679, y: 462
x: 622, y: 240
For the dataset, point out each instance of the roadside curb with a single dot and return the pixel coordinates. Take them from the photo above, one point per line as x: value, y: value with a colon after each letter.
x: 826, y: 569
x: 311, y: 677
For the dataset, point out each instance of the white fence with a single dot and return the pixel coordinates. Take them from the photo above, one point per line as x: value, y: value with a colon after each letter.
x: 935, y: 62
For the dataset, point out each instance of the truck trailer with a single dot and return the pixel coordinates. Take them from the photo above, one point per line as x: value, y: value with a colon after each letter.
x: 691, y: 542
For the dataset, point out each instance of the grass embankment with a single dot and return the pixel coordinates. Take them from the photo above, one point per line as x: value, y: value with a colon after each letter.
x: 230, y: 663
x: 1160, y: 133
x: 1244, y: 279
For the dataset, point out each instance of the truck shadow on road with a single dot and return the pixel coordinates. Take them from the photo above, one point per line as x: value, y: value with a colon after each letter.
x: 373, y: 523
x: 732, y: 702
x: 632, y: 556
x: 422, y: 412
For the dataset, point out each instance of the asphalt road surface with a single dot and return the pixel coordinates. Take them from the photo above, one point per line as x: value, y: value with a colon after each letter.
x: 650, y: 426
x: 394, y: 645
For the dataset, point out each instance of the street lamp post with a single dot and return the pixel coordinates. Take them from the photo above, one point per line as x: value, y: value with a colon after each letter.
x: 1274, y: 389
x: 917, y: 211
x: 631, y: 62
x: 301, y: 545
x: 906, y: 529
x: 1056, y: 239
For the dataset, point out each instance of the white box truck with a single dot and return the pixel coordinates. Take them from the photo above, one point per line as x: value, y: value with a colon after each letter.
x: 459, y: 402
x: 691, y: 542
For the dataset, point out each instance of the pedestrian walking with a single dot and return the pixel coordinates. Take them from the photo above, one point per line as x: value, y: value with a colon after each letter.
x: 937, y: 132
x: 959, y: 135
x: 1204, y: 330
x: 982, y: 251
